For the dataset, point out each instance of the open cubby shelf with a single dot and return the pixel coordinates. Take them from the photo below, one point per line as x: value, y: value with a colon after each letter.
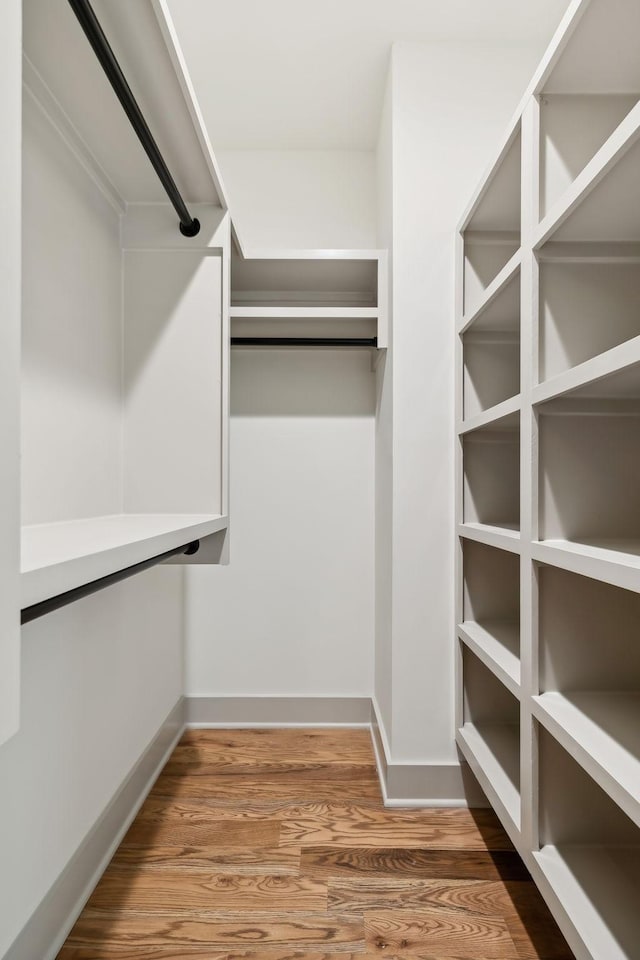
x: 491, y: 610
x: 489, y: 736
x: 491, y: 465
x: 547, y: 432
x: 589, y: 855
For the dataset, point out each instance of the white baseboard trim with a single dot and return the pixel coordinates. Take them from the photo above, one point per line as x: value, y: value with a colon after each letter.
x: 49, y: 925
x: 422, y: 784
x: 242, y: 712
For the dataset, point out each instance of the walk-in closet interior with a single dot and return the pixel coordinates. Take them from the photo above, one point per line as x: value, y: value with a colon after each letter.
x: 320, y: 409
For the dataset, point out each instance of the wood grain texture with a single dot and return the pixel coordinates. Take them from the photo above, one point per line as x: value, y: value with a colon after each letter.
x: 332, y: 934
x: 123, y: 891
x: 254, y: 862
x: 360, y: 894
x: 420, y: 863
x: 251, y: 792
x: 275, y: 845
x: 441, y: 829
x: 397, y: 933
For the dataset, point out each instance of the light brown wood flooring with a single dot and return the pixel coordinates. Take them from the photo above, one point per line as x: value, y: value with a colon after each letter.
x: 275, y: 845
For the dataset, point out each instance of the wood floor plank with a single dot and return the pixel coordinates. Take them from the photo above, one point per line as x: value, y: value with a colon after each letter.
x: 346, y: 824
x: 246, y: 861
x: 332, y: 745
x: 251, y: 792
x: 441, y: 829
x: 174, y: 891
x: 359, y: 894
x: 399, y: 934
x: 207, y: 832
x: 424, y: 863
x: 275, y: 845
x: 332, y: 934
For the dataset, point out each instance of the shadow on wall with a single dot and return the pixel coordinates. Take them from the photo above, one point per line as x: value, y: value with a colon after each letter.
x: 308, y: 382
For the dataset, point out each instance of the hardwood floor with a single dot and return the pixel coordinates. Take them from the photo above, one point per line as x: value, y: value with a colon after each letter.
x: 275, y: 845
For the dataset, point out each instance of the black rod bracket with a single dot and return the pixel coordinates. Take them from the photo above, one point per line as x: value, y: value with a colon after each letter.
x: 189, y: 226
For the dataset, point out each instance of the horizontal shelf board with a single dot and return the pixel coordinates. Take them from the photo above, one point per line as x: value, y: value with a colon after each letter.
x: 272, y: 312
x: 615, y: 561
x: 493, y: 291
x: 492, y: 750
x: 557, y: 251
x: 620, y: 141
x: 57, y: 557
x: 604, y: 373
x: 505, y: 536
x: 602, y: 732
x: 598, y: 889
x: 315, y: 253
x: 497, y: 644
x: 503, y: 416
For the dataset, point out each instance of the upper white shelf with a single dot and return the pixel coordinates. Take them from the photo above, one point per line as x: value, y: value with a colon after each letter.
x: 308, y: 285
x: 614, y: 374
x: 268, y: 312
x: 506, y: 536
x: 497, y: 644
x: 614, y: 561
x: 57, y: 557
x: 601, y: 203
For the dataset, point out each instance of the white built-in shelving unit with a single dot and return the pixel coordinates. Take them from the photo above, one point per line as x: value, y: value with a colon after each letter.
x: 125, y: 322
x: 310, y: 293
x: 548, y: 460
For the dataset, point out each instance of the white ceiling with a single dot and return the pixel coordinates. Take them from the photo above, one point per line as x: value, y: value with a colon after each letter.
x: 303, y: 74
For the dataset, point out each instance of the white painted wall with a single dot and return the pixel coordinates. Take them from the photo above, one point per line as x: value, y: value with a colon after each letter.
x: 292, y: 615
x: 450, y: 101
x: 10, y: 176
x: 301, y: 198
x: 98, y: 679
x: 71, y: 335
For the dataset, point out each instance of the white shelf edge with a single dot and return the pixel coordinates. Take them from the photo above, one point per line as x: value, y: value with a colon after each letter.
x: 491, y: 416
x: 620, y: 141
x: 303, y: 313
x: 289, y: 253
x: 573, y: 729
x: 504, y: 798
x: 587, y: 931
x: 492, y: 653
x: 612, y: 361
x: 77, y: 552
x: 495, y: 288
x: 616, y: 567
x: 493, y: 536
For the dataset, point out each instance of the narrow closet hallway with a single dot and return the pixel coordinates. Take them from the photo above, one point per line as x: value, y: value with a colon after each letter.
x: 275, y: 844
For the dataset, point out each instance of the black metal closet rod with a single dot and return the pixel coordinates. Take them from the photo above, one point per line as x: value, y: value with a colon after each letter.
x: 304, y: 341
x: 86, y: 589
x: 83, y: 10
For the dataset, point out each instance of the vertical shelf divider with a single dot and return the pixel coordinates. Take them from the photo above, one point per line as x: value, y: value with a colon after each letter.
x: 528, y: 470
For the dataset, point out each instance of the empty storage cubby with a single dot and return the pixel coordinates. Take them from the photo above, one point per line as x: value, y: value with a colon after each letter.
x: 589, y: 857
x: 590, y: 678
x: 490, y: 735
x: 588, y: 94
x: 491, y: 352
x: 492, y: 233
x: 589, y: 467
x: 491, y: 609
x: 491, y: 463
x: 586, y: 307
